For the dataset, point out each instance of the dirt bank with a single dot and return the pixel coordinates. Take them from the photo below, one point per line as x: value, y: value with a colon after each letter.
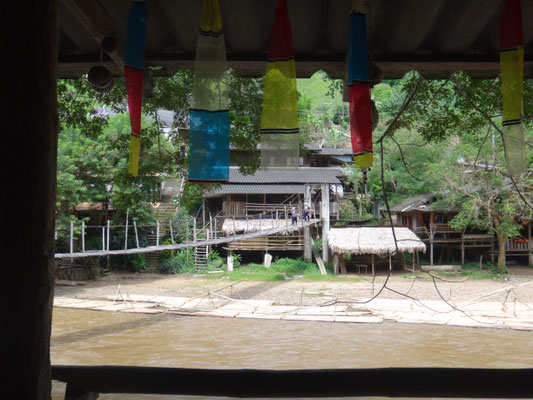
x: 298, y: 291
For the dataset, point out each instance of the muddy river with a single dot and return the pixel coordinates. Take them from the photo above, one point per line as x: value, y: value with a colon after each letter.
x: 81, y: 337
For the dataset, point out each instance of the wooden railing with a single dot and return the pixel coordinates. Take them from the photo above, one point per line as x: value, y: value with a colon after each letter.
x: 518, y: 245
x: 242, y: 209
x: 85, y: 381
x: 278, y: 242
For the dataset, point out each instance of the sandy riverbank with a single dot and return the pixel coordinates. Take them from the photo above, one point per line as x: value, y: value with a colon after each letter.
x: 506, y: 303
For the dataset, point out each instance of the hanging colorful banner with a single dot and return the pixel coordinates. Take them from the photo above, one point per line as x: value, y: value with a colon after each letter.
x: 209, y: 115
x: 512, y: 75
x: 133, y: 74
x: 359, y: 91
x: 279, y: 122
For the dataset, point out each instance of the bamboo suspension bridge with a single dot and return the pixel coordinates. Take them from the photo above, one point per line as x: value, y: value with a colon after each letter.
x: 266, y: 227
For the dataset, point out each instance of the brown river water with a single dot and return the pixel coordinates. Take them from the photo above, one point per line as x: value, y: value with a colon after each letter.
x: 81, y: 337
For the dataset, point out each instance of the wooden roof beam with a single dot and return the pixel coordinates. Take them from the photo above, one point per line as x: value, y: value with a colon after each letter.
x: 96, y: 21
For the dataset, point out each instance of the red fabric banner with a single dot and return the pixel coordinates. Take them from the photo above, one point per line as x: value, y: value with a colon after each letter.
x: 134, y: 87
x: 360, y: 117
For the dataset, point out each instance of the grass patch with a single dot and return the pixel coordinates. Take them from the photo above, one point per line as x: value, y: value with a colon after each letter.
x: 281, y: 270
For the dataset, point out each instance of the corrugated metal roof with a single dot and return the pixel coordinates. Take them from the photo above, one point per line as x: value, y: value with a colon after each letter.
x: 302, y: 175
x: 434, y: 37
x: 230, y: 188
x: 418, y: 202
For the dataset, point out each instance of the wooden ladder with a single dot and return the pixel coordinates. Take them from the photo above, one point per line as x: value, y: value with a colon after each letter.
x: 200, y: 259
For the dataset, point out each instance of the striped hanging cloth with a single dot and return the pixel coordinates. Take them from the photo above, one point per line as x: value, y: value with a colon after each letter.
x: 359, y: 91
x: 133, y: 74
x: 512, y: 75
x: 279, y: 122
x: 209, y: 115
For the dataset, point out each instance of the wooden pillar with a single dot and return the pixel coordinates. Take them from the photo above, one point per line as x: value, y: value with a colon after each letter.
x: 203, y: 212
x: 462, y: 248
x: 324, y: 212
x: 307, y: 229
x: 529, y: 245
x: 30, y: 121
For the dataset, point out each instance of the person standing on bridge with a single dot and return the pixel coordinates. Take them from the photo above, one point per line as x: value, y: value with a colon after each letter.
x: 294, y: 216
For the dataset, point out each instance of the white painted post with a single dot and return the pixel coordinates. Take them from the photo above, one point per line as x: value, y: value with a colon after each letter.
x: 82, y: 236
x: 72, y: 236
x: 103, y: 238
x: 136, y: 233
x: 324, y: 214
x: 215, y: 227
x: 108, y: 233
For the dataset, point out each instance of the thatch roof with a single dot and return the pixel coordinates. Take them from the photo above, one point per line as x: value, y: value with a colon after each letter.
x: 370, y: 240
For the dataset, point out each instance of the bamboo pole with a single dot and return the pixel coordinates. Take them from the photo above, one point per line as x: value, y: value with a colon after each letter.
x: 126, y: 230
x: 157, y: 227
x: 136, y: 233
x: 171, y: 233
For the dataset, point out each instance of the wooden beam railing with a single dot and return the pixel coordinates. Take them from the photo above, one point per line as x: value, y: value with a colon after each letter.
x: 387, y: 382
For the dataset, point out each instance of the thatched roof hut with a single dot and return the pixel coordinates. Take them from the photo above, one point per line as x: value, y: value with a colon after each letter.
x: 370, y: 240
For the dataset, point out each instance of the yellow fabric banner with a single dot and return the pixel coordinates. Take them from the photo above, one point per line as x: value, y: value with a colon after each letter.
x: 363, y: 160
x: 135, y: 150
x: 280, y: 101
x: 512, y: 69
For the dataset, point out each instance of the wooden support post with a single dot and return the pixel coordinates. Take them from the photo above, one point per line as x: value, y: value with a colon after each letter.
x: 203, y: 212
x: 529, y: 245
x: 373, y: 270
x: 307, y: 232
x: 194, y: 230
x: 157, y: 228
x: 342, y: 264
x: 462, y: 250
x: 103, y: 238
x: 29, y: 165
x: 414, y: 256
x: 390, y: 262
x: 325, y: 221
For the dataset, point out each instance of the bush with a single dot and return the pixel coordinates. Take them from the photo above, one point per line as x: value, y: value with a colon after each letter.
x: 177, y: 263
x: 138, y: 262
x: 291, y: 267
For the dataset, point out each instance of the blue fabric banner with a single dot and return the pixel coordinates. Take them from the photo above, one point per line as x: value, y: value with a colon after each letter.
x: 357, y: 49
x: 209, y: 144
x: 135, y: 36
